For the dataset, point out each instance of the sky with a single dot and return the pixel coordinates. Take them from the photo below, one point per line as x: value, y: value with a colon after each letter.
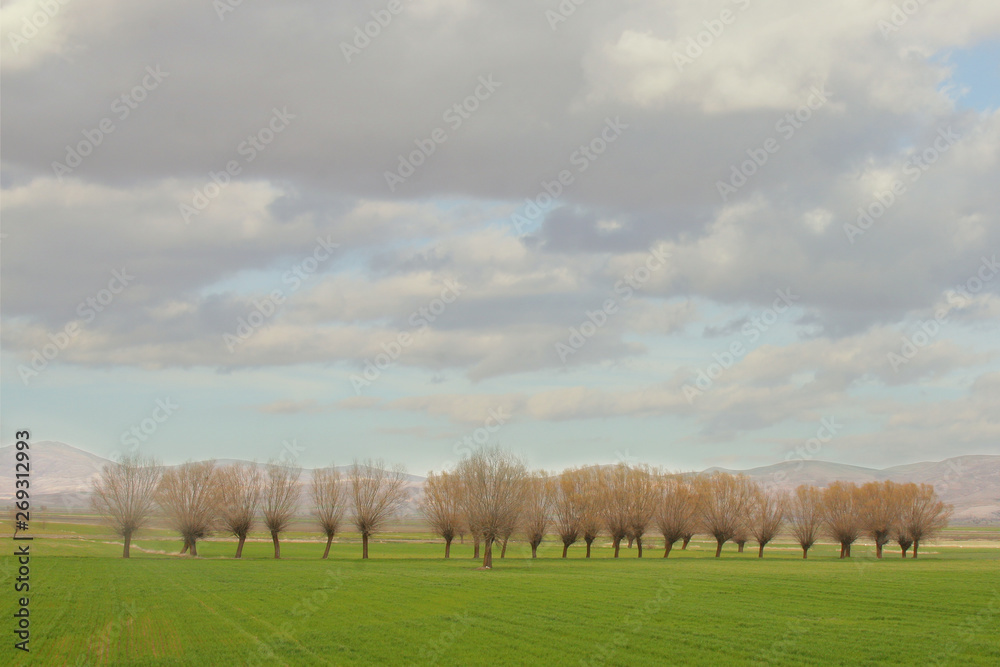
x: 684, y: 234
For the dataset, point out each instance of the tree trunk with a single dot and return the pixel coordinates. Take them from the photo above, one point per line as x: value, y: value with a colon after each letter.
x: 476, y: 555
x: 194, y: 547
x: 760, y: 551
x: 128, y: 545
x: 848, y: 549
x: 565, y: 549
x: 329, y: 541
x: 666, y: 549
x: 805, y: 552
x: 277, y: 547
x: 718, y: 547
x: 878, y: 549
x: 904, y: 552
x: 364, y: 545
x: 503, y: 550
x: 618, y: 544
x: 239, y: 546
x: 534, y: 550
x: 630, y: 538
x: 186, y: 546
x: 684, y: 545
x: 588, y: 547
x: 638, y: 544
x: 488, y: 553
x: 739, y: 547
x: 447, y: 547
x: 916, y: 543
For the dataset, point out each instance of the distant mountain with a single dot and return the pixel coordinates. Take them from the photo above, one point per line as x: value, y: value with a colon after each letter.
x: 62, y: 476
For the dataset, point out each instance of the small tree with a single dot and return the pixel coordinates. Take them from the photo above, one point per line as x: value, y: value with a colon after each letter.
x: 280, y: 500
x: 903, y: 540
x: 805, y: 514
x: 589, y: 481
x: 569, y: 508
x: 767, y: 513
x: 615, y: 504
x: 494, y: 483
x: 188, y: 495
x: 841, y: 502
x: 377, y: 494
x: 442, y: 506
x: 328, y: 501
x: 676, y: 512
x: 724, y: 500
x: 125, y: 494
x: 923, y: 514
x: 880, y: 512
x: 539, y: 496
x: 239, y: 499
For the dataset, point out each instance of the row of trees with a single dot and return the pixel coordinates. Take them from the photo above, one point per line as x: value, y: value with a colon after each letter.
x: 200, y: 498
x: 492, y: 495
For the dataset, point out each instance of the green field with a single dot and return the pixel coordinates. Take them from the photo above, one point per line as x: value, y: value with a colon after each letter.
x: 407, y: 605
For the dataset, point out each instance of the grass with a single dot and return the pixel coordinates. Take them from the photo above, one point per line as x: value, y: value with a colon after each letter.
x: 407, y: 605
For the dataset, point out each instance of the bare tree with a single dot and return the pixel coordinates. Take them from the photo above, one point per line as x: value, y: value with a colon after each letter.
x: 442, y: 506
x: 724, y: 500
x: 615, y: 502
x: 494, y: 483
x: 880, y: 512
x: 676, y: 512
x: 328, y: 500
x: 588, y: 481
x: 188, y: 495
x: 644, y: 493
x: 539, y: 497
x: 841, y: 502
x: 280, y: 500
x: 239, y: 499
x: 805, y: 515
x: 569, y: 508
x: 923, y: 514
x: 377, y: 494
x: 124, y: 495
x: 767, y: 514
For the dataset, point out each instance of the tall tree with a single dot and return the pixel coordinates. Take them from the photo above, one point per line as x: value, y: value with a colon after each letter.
x: 328, y: 502
x: 805, y: 515
x: 569, y: 508
x: 880, y: 512
x: 615, y: 503
x: 643, y: 483
x: 724, y: 500
x: 239, y: 499
x: 539, y: 497
x: 923, y: 514
x: 767, y: 514
x: 188, y: 495
x: 841, y: 507
x: 442, y: 506
x: 124, y: 495
x: 377, y: 494
x: 494, y: 483
x: 589, y: 481
x: 676, y: 512
x: 280, y: 500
